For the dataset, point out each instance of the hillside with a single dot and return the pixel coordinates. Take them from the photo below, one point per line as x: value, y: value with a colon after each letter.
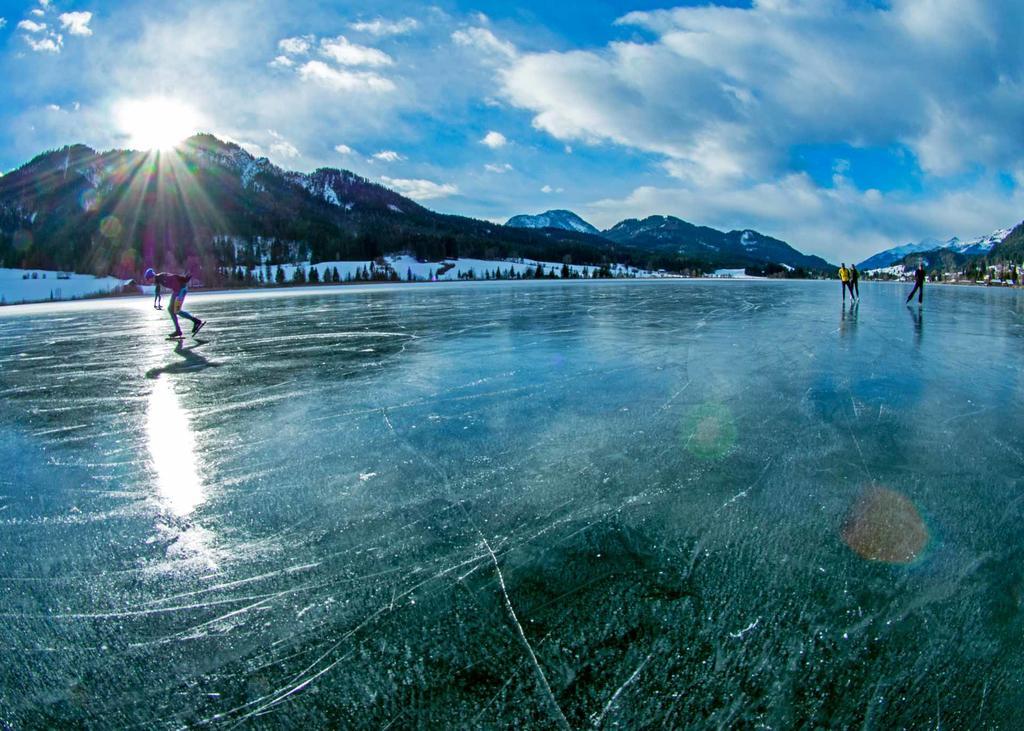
x: 669, y: 235
x: 1010, y: 248
x: 211, y: 203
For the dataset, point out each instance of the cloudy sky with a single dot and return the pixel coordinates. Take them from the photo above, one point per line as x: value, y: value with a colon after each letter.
x: 841, y: 126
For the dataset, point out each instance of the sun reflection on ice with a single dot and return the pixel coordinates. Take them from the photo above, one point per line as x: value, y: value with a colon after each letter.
x: 172, y: 448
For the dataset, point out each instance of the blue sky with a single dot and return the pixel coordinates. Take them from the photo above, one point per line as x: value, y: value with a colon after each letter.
x: 841, y: 126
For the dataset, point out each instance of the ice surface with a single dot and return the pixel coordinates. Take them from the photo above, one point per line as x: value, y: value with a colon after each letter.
x: 606, y: 504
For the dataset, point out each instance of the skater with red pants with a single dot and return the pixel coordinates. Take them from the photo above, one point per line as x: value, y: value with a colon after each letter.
x: 178, y: 284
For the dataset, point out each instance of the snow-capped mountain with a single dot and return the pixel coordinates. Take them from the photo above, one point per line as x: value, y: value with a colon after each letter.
x: 565, y: 220
x: 973, y: 247
x: 891, y: 256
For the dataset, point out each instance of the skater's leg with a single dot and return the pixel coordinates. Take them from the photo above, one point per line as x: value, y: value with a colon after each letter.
x: 187, y: 316
x: 173, y: 310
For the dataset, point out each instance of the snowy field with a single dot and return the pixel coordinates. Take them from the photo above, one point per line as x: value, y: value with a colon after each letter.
x: 608, y: 504
x: 45, y: 285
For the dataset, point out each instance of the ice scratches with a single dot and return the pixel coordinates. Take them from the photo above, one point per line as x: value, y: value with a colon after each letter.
x: 541, y: 677
x: 748, y: 628
x: 746, y: 491
x: 559, y: 716
x: 615, y: 696
x: 308, y: 675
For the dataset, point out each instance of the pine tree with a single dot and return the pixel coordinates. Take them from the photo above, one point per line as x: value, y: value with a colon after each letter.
x: 279, y: 276
x: 314, y: 275
x: 299, y: 276
x: 408, y: 275
x: 335, y: 276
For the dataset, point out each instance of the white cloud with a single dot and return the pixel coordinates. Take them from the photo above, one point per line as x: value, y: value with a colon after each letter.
x: 77, y: 24
x: 494, y: 140
x: 31, y: 26
x: 388, y: 156
x: 724, y: 93
x: 499, y: 169
x: 344, y: 150
x: 282, y: 62
x: 421, y: 190
x: 346, y: 53
x: 344, y: 80
x: 382, y: 27
x: 281, y: 147
x: 296, y: 46
x: 38, y: 12
x: 52, y: 43
x: 53, y: 107
x: 549, y: 189
x: 486, y: 43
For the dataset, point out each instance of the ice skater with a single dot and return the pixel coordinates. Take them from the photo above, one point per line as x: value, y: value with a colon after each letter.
x: 178, y: 284
x: 844, y: 279
x: 854, y: 282
x: 918, y: 285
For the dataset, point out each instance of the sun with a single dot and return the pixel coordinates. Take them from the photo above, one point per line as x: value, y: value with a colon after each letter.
x: 156, y: 122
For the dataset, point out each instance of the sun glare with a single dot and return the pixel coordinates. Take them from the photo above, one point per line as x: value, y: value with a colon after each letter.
x: 155, y: 123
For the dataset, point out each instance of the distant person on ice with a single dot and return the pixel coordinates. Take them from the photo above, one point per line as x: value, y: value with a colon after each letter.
x: 178, y: 284
x: 918, y: 285
x: 854, y: 281
x: 844, y: 279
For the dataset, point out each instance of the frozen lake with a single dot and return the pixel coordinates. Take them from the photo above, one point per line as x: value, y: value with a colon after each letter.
x: 592, y: 504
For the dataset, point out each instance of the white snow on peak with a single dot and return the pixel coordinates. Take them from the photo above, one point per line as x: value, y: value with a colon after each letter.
x: 748, y: 240
x: 330, y: 196
x: 396, y: 209
x: 981, y: 244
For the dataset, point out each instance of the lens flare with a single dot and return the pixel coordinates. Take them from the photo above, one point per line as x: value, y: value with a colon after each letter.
x: 883, y: 525
x: 709, y: 432
x: 22, y: 241
x: 111, y: 227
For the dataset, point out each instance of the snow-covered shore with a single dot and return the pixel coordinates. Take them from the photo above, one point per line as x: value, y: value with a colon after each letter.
x: 19, y: 286
x: 39, y: 285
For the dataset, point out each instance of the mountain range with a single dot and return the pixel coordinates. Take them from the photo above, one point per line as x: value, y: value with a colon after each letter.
x: 671, y: 236
x: 210, y: 205
x: 951, y: 251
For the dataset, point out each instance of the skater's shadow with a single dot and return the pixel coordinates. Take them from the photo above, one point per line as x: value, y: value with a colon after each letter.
x: 192, y: 362
x: 918, y: 317
x: 848, y: 318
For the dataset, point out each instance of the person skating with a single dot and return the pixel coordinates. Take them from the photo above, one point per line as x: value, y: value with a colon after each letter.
x: 178, y: 284
x: 844, y: 279
x: 918, y: 285
x: 854, y: 281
